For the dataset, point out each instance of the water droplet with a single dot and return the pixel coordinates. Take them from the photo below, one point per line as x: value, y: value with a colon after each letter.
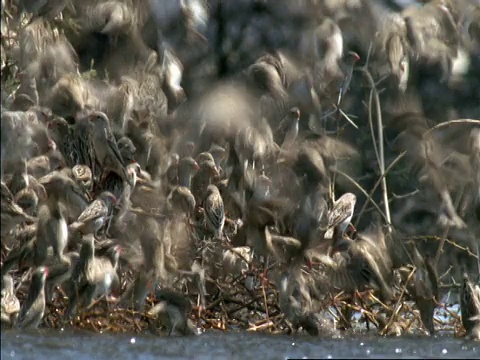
x: 12, y: 353
x: 132, y: 341
x: 368, y: 351
x: 464, y: 348
x: 444, y: 351
x: 293, y: 344
x: 398, y: 351
x: 329, y: 356
x: 361, y: 344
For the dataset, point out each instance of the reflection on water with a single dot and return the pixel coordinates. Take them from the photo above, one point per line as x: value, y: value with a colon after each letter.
x: 46, y: 344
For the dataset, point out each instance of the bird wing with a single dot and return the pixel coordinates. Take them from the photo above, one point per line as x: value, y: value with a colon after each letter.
x: 95, y: 210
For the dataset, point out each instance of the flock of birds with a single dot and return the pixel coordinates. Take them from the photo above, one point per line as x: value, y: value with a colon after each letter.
x: 148, y: 142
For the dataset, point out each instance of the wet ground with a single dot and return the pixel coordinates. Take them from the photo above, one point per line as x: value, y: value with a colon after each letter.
x: 48, y: 344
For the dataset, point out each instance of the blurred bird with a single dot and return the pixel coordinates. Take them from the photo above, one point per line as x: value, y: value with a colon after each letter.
x: 10, y: 306
x: 214, y: 211
x: 350, y: 59
x: 287, y: 131
x: 52, y: 230
x: 398, y: 58
x: 28, y: 200
x: 11, y: 213
x: 112, y: 18
x: 180, y: 201
x: 470, y: 306
x: 186, y: 168
x: 47, y: 9
x: 172, y: 311
x: 32, y: 310
x: 426, y: 289
x: 92, y: 276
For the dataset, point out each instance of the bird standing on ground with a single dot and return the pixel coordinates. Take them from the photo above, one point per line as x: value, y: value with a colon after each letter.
x: 214, y: 211
x: 31, y: 313
x: 10, y: 306
x: 470, y: 307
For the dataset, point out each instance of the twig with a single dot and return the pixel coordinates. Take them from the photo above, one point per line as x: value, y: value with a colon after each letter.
x: 451, y: 122
x: 381, y: 147
x: 445, y: 233
x: 392, y: 164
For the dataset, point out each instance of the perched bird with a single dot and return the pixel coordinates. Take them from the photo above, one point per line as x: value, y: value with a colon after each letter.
x: 10, y: 306
x: 214, y: 211
x: 202, y: 179
x: 470, y: 306
x: 82, y: 174
x: 96, y: 215
x: 105, y: 146
x: 31, y: 313
x: 340, y: 215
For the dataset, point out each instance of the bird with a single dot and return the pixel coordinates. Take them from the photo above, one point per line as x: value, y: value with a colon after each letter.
x: 202, y: 179
x: 172, y: 311
x: 52, y: 230
x: 340, y: 215
x: 33, y: 308
x: 28, y: 200
x: 96, y: 215
x: 214, y: 211
x: 10, y: 306
x: 11, y: 213
x: 186, y: 169
x: 287, y: 130
x: 350, y: 59
x: 470, y: 306
x: 92, y: 275
x: 426, y: 289
x: 105, y: 146
x: 47, y: 9
x: 82, y: 174
x: 180, y: 201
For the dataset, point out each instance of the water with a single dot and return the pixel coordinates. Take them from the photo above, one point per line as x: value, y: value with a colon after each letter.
x: 47, y: 344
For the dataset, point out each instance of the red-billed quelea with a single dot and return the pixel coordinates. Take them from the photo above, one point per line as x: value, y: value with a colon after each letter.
x: 92, y: 276
x: 350, y: 59
x: 82, y: 174
x: 95, y: 216
x: 52, y: 230
x: 340, y: 215
x: 202, y: 179
x: 186, y: 168
x: 214, y: 211
x: 105, y: 146
x: 470, y: 307
x: 33, y: 308
x: 10, y: 306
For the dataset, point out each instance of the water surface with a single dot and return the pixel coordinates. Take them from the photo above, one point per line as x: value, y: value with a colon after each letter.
x: 48, y: 344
